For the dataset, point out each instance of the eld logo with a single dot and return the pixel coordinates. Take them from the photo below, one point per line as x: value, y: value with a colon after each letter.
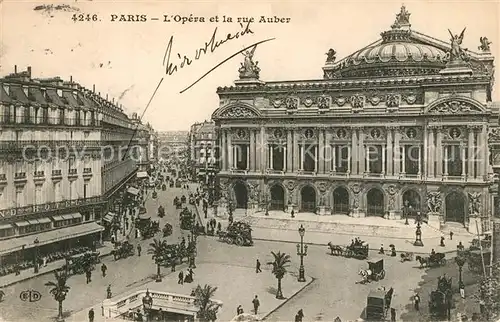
x: 30, y: 296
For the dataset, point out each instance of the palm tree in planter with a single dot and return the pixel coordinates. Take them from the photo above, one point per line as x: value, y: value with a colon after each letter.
x: 59, y: 289
x: 157, y: 250
x: 280, y: 264
x: 203, y: 300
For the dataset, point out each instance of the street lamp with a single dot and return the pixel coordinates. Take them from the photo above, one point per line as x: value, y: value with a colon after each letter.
x: 418, y: 236
x: 36, y: 255
x: 302, y: 251
x: 147, y: 303
x: 460, y: 260
x: 192, y: 244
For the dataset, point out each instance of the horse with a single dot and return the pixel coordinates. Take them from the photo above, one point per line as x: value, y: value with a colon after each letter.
x: 365, y: 274
x: 335, y: 249
x: 406, y: 256
x: 423, y: 261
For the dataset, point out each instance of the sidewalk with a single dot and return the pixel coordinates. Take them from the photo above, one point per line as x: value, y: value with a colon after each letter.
x: 27, y: 274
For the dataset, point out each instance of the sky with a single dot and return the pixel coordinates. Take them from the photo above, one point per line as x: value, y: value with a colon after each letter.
x: 125, y: 59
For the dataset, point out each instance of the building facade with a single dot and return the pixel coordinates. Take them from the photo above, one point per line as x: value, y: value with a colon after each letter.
x: 400, y: 124
x: 202, y: 142
x: 172, y: 143
x: 64, y: 164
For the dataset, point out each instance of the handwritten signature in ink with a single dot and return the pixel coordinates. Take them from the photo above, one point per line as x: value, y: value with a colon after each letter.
x: 209, y: 47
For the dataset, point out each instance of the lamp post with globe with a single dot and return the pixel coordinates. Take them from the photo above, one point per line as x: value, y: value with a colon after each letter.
x: 301, y: 251
x: 418, y: 236
x: 460, y: 260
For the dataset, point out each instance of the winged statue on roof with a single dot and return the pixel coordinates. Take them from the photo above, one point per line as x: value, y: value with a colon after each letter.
x: 457, y: 52
x: 485, y: 44
x: 249, y: 68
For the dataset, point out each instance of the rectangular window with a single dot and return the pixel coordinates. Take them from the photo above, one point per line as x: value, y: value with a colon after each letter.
x: 38, y: 194
x: 20, y: 196
x: 85, y: 187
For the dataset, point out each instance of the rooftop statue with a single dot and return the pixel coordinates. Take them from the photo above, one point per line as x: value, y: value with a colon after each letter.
x: 457, y: 53
x: 402, y: 18
x: 485, y: 44
x: 330, y: 56
x: 249, y: 68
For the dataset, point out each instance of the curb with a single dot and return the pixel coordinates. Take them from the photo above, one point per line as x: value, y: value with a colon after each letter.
x: 40, y: 274
x: 289, y: 298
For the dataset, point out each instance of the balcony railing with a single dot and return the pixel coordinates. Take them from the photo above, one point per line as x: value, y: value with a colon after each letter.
x: 87, y: 170
x: 39, y: 174
x: 56, y: 173
x: 51, y: 206
x: 20, y: 176
x: 72, y: 172
x: 6, y: 119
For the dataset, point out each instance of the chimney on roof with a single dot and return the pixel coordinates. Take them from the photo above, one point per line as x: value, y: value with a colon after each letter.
x: 29, y: 71
x: 106, y: 97
x: 93, y: 88
x: 15, y: 69
x: 71, y: 79
x: 113, y: 100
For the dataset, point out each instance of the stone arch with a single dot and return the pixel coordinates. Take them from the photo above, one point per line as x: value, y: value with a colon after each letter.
x: 455, y: 206
x: 474, y: 105
x: 375, y: 201
x: 412, y: 201
x: 308, y: 195
x: 236, y: 110
x: 240, y: 193
x: 278, y: 199
x: 341, y: 199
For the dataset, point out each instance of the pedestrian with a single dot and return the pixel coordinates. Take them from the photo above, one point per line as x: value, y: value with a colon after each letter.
x: 299, y: 316
x: 181, y: 278
x: 139, y: 250
x: 91, y: 315
x: 256, y: 304
x: 461, y: 287
x: 442, y: 241
x: 174, y: 260
x: 292, y: 214
x: 108, y: 292
x: 44, y: 261
x: 136, y: 233
x: 126, y: 224
x: 393, y: 314
x: 219, y: 227
x: 103, y: 269
x: 257, y: 267
x: 416, y: 301
x: 451, y: 235
x: 393, y: 251
x: 381, y: 250
x: 88, y: 274
x: 460, y: 247
x: 482, y: 308
x: 239, y: 310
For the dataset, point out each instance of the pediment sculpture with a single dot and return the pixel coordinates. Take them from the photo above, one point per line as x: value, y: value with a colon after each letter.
x: 249, y: 68
x: 453, y: 107
x: 494, y: 135
x: 238, y: 112
x: 434, y: 201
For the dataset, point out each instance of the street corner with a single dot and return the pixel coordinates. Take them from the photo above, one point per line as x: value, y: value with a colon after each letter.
x: 238, y: 285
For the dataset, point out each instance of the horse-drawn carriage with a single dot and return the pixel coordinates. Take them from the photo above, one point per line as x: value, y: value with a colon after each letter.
x: 358, y: 250
x: 440, y: 300
x: 434, y: 260
x: 167, y: 230
x: 187, y: 219
x: 122, y: 250
x: 79, y: 264
x: 375, y: 271
x: 154, y: 194
x: 378, y: 303
x: 406, y: 257
x: 147, y: 227
x: 161, y: 212
x: 238, y: 233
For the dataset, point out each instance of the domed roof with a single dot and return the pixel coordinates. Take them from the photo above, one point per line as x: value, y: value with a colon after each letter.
x: 398, y: 53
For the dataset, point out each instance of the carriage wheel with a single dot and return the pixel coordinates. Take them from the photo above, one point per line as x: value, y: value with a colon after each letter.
x: 228, y: 240
x: 382, y: 274
x: 239, y: 241
x: 443, y: 261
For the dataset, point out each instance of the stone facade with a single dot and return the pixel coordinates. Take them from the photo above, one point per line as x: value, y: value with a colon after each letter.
x: 398, y: 125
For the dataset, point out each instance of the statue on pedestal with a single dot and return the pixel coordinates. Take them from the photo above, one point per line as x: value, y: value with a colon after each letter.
x: 485, y: 45
x: 249, y: 68
x: 331, y: 56
x: 457, y: 53
x: 434, y: 202
x: 474, y: 204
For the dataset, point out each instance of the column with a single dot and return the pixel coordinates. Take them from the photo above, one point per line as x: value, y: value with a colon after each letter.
x: 384, y: 168
x: 301, y: 157
x: 251, y: 155
x: 230, y: 157
x: 320, y: 164
x: 284, y: 159
x: 484, y: 154
x: 271, y: 159
x: 462, y: 150
x: 439, y: 153
x: 333, y: 150
x: 263, y: 149
x: 423, y: 169
x: 471, y: 152
x: 248, y: 157
x: 361, y: 151
x: 403, y: 160
x: 367, y: 156
x: 445, y: 160
x: 432, y: 152
x: 317, y: 159
x: 289, y: 150
x: 349, y: 158
x: 296, y: 152
x: 397, y: 152
x: 419, y: 160
x: 257, y: 154
x: 223, y: 148
x: 353, y: 157
x: 389, y: 152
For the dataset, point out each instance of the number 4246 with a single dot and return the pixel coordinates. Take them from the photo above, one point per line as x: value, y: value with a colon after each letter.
x: 84, y: 17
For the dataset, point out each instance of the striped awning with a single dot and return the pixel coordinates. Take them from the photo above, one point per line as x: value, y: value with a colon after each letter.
x: 109, y: 217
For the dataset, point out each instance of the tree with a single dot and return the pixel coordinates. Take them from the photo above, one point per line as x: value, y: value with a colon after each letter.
x: 157, y: 250
x: 59, y: 290
x: 489, y: 292
x: 203, y: 299
x: 280, y: 264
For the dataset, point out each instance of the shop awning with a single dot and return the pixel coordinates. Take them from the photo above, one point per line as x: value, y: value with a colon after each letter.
x: 67, y: 216
x: 142, y: 174
x: 48, y: 237
x: 77, y: 215
x: 22, y: 223
x: 44, y: 220
x: 57, y: 218
x: 33, y: 222
x: 109, y: 217
x: 133, y: 191
x: 6, y: 226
